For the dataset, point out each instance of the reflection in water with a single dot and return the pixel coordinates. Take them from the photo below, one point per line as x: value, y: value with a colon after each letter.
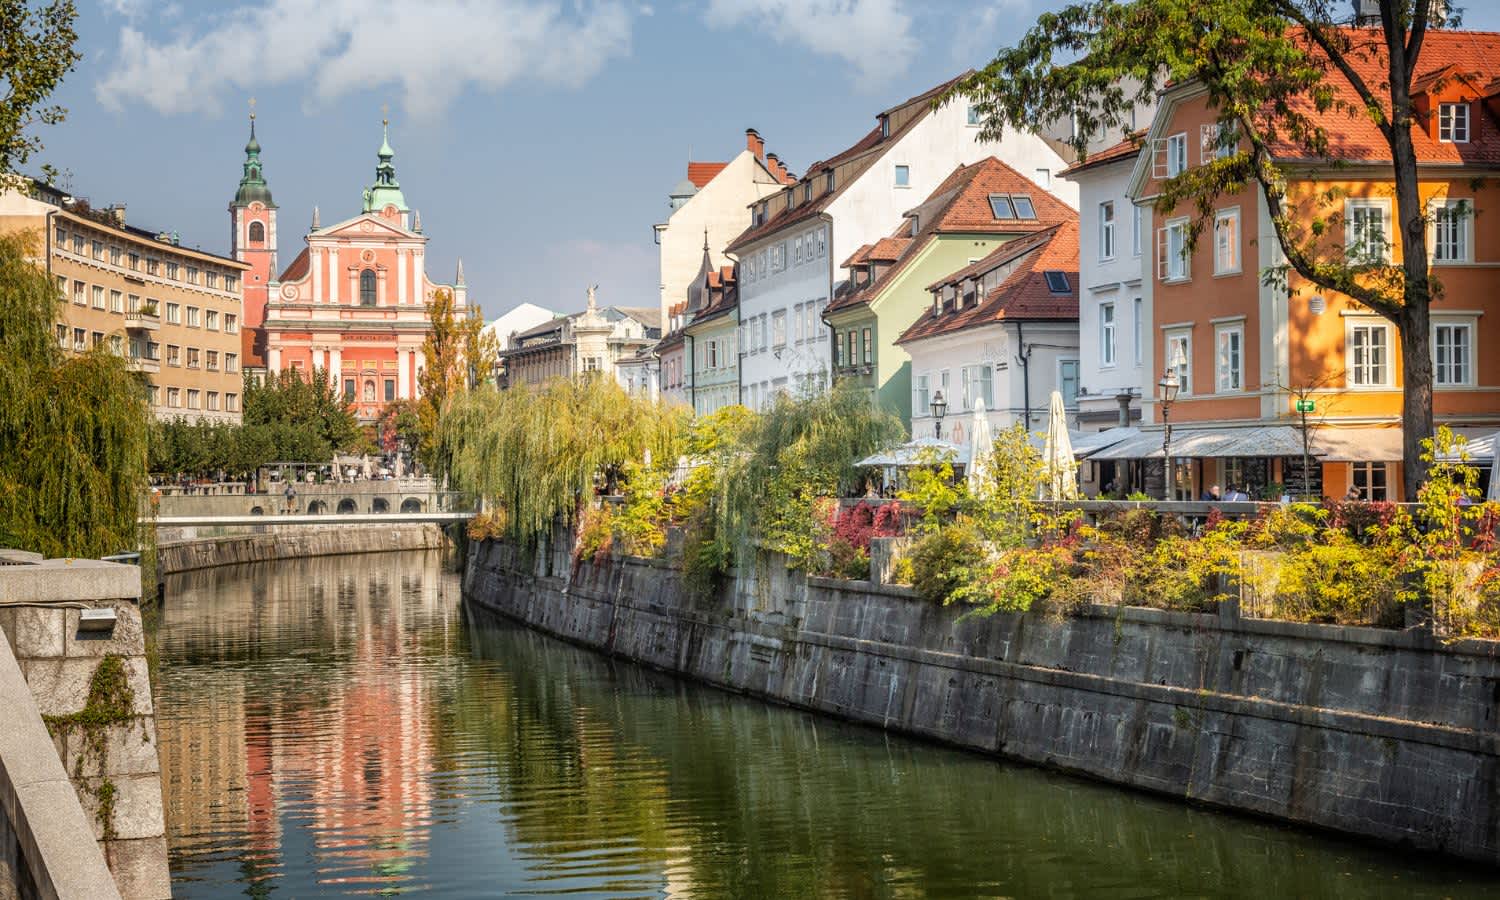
x: 339, y: 726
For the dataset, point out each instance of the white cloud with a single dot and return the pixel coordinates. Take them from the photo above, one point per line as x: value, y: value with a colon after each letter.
x: 873, y: 36
x: 429, y: 51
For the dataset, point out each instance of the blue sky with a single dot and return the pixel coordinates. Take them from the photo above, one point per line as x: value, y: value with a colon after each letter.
x: 538, y: 138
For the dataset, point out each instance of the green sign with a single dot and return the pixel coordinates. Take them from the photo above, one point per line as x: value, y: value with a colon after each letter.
x: 1304, y: 406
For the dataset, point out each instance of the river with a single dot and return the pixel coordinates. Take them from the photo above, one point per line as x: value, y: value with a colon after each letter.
x: 343, y: 726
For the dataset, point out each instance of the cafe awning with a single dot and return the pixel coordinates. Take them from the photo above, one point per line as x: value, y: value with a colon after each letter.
x: 1090, y: 442
x: 1209, y: 443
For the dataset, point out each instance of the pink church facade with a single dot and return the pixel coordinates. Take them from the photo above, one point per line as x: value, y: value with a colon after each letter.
x: 352, y: 306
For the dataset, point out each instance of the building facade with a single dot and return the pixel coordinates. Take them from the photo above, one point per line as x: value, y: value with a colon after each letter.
x: 1245, y: 351
x: 352, y: 306
x: 711, y: 341
x: 1003, y: 331
x: 974, y: 211
x: 595, y: 340
x: 790, y: 253
x: 176, y: 312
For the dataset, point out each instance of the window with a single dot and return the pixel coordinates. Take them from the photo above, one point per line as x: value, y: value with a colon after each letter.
x: 211, y: 360
x: 1179, y: 356
x: 1067, y: 381
x: 1171, y: 251
x: 1140, y: 329
x: 211, y: 279
x: 135, y: 262
x: 807, y: 192
x: 1136, y: 228
x: 62, y: 335
x: 1000, y: 206
x: 61, y: 237
x: 98, y: 248
x: 869, y: 347
x: 903, y: 176
x: 885, y: 126
x: 257, y: 232
x: 78, y: 243
x: 79, y: 297
x: 117, y: 344
x: 232, y: 402
x: 1227, y: 241
x: 211, y: 319
x: 1452, y: 353
x: 192, y: 317
x: 1369, y: 479
x: 797, y: 250
x: 1057, y: 282
x: 1368, y: 355
x: 1106, y: 334
x: 822, y: 233
x: 1366, y: 226
x: 973, y: 119
x: 1176, y: 155
x: 1217, y: 140
x: 978, y: 385
x: 174, y: 314
x: 153, y: 266
x: 1229, y: 365
x: 367, y: 287
x: 172, y: 270
x: 1107, y: 230
x: 98, y: 294
x: 231, y: 362
x: 1450, y: 231
x: 96, y: 339
x: 920, y: 396
x: 1024, y: 208
x: 80, y: 339
x: 212, y: 401
x: 712, y: 352
x: 231, y: 323
x: 778, y: 328
x: 193, y: 394
x: 231, y: 283
x: 174, y: 397
x: 174, y: 355
x: 390, y: 389
x: 1453, y: 123
x: 116, y: 301
x: 192, y: 358
x: 348, y: 390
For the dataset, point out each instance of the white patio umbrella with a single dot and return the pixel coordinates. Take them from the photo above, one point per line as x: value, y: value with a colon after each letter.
x: 364, y: 467
x: 338, y: 473
x: 981, y: 452
x: 1494, y: 490
x: 1057, y: 455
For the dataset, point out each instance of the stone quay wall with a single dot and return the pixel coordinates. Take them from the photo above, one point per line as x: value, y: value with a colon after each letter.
x: 1382, y: 734
x: 182, y: 549
x: 80, y: 776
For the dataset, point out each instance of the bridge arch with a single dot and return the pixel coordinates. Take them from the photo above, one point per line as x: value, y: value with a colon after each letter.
x: 257, y: 511
x: 380, y: 505
x: 347, y: 506
x: 317, y: 508
x: 411, y: 505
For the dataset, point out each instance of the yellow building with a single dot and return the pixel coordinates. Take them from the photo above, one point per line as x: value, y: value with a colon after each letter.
x: 176, y: 312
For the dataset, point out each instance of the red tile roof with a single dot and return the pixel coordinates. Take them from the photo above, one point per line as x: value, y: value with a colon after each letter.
x: 298, y: 268
x: 1126, y: 149
x: 701, y: 173
x: 960, y: 205
x: 857, y: 257
x: 1024, y: 295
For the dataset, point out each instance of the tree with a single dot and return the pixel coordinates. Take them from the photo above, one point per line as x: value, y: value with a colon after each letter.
x: 1280, y: 74
x: 73, y: 430
x: 36, y: 51
x: 457, y: 355
x: 307, y: 419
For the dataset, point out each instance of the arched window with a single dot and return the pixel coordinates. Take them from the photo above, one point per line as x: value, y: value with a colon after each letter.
x: 369, y: 391
x: 367, y: 287
x: 257, y: 233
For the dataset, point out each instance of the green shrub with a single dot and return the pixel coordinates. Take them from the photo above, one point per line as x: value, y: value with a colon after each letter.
x: 1337, y: 580
x: 949, y: 562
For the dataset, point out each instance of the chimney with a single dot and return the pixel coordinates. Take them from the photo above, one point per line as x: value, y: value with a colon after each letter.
x: 755, y: 144
x: 1124, y: 400
x: 117, y: 213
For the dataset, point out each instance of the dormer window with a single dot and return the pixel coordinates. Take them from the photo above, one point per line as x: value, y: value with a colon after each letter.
x: 831, y: 182
x: 1012, y: 206
x: 885, y: 126
x: 1453, y: 123
x: 1057, y: 282
x: 807, y: 192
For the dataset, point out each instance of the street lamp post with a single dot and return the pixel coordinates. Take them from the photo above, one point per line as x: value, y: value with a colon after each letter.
x: 1169, y: 388
x: 939, y: 409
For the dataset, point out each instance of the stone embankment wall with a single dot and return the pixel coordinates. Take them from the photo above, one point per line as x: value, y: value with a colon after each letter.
x: 181, y: 551
x: 80, y: 776
x: 1382, y: 734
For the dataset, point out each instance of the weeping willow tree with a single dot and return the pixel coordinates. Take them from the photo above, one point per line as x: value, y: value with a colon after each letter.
x: 540, y: 454
x: 73, y: 430
x: 770, y: 473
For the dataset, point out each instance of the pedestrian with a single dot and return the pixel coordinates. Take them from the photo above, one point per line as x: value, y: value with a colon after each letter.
x: 1353, y: 495
x: 291, y: 498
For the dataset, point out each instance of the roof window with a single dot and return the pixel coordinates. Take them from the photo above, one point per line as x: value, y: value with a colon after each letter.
x: 1057, y: 282
x: 1012, y: 206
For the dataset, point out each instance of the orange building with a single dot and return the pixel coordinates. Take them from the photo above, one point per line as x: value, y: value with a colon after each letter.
x: 1246, y: 350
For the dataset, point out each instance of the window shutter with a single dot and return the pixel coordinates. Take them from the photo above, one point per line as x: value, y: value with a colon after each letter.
x: 1159, y: 158
x: 1208, y: 143
x: 1161, y: 254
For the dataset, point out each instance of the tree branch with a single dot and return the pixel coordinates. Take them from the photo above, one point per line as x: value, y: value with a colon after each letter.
x: 1337, y: 57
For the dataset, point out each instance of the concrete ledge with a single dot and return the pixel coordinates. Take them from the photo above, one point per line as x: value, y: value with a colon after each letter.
x: 57, y: 839
x: 86, y: 579
x: 301, y: 543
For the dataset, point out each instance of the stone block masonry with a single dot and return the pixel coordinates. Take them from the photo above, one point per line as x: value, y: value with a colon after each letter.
x: 183, y: 553
x: 1382, y: 734
x: 79, y: 770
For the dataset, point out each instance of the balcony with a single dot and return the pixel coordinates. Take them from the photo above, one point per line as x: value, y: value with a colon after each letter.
x: 142, y: 321
x: 145, y: 364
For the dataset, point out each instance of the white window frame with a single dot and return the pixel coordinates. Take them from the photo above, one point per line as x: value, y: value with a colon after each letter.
x: 1459, y: 212
x: 1229, y: 373
x: 1382, y: 204
x: 1370, y: 325
x: 1442, y: 368
x: 1170, y: 339
x: 1062, y: 362
x: 1164, y: 254
x: 1170, y: 156
x: 1107, y: 230
x: 1108, y: 351
x: 1223, y: 265
x: 1137, y: 228
x: 901, y: 176
x: 1369, y: 469
x: 1138, y: 308
x: 1453, y: 128
x: 921, y: 399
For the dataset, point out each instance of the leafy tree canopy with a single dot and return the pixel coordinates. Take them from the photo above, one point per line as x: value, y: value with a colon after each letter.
x: 36, y: 51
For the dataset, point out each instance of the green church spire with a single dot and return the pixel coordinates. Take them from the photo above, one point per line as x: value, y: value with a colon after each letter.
x: 386, y: 190
x: 253, y: 180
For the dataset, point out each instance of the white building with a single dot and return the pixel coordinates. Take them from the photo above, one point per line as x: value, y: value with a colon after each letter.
x: 1003, y: 330
x: 712, y: 205
x: 594, y: 340
x: 522, y: 318
x: 789, y: 255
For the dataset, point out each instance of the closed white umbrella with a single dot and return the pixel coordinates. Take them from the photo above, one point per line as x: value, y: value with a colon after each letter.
x: 1057, y: 455
x: 981, y: 453
x: 338, y: 473
x: 1494, y: 491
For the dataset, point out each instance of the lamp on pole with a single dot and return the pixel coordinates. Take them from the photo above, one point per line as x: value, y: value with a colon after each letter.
x: 939, y: 409
x: 1169, y: 387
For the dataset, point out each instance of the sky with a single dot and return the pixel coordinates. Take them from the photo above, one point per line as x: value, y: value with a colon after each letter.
x: 537, y: 138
